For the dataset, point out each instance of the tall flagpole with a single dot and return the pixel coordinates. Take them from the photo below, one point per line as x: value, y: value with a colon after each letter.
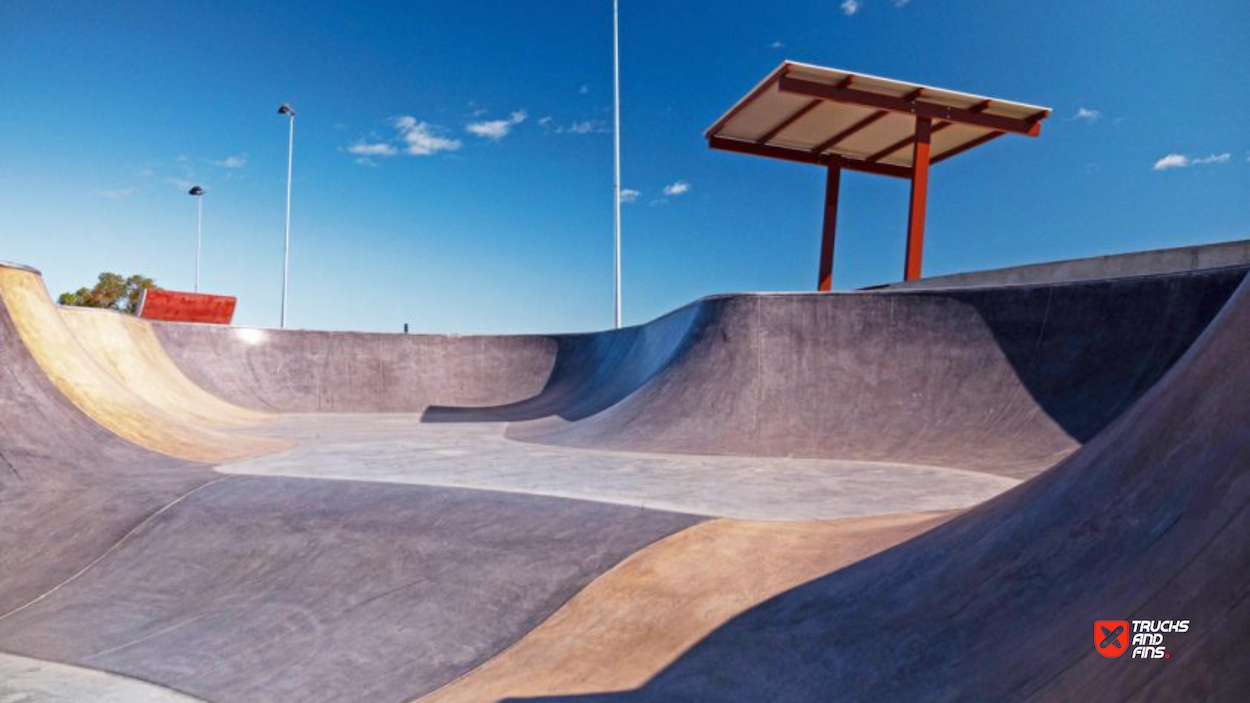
x: 616, y: 133
x: 286, y: 247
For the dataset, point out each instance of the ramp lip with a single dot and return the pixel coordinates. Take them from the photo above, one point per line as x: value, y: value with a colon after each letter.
x: 887, y: 288
x: 20, y: 267
x: 884, y: 289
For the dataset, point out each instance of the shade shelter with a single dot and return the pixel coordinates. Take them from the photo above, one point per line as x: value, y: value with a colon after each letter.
x: 856, y: 122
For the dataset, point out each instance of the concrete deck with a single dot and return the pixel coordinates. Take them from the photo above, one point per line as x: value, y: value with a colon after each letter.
x: 402, y: 449
x: 275, y: 590
x: 26, y: 680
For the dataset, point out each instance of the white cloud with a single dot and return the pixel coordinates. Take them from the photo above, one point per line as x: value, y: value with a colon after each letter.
x: 1087, y: 115
x: 850, y: 7
x: 117, y: 193
x: 491, y: 129
x: 412, y: 137
x: 777, y: 45
x: 629, y: 195
x: 678, y: 188
x: 1172, y: 161
x: 363, y: 148
x: 544, y: 121
x: 581, y: 127
x: 584, y: 90
x: 496, y: 129
x: 183, y: 183
x: 1214, y: 159
x: 1175, y: 160
x: 422, y: 138
x: 900, y: 3
x: 235, y: 161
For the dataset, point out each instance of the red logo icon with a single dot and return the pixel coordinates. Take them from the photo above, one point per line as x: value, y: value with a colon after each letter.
x: 1111, y: 637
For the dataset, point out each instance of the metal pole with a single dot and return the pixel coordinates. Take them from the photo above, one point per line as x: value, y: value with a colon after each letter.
x: 199, y: 232
x: 286, y: 251
x: 824, y: 279
x: 919, y: 198
x: 616, y: 133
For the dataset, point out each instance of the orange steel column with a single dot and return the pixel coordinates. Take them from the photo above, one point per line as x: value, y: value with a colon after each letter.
x: 919, y: 195
x: 832, y: 185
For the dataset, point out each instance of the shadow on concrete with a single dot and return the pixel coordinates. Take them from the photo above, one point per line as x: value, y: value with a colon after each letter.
x: 593, y: 372
x: 1001, y: 379
x: 1147, y: 521
x: 1097, y: 346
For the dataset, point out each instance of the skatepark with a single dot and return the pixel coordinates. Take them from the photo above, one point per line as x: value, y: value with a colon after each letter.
x: 799, y: 459
x: 754, y: 497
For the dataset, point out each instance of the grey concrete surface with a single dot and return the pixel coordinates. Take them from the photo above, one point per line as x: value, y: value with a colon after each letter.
x: 401, y: 449
x: 1148, y: 521
x: 274, y: 590
x: 25, y: 680
x: 1124, y: 394
x: 336, y: 372
x: 69, y: 489
x: 1139, y: 263
x: 1005, y: 381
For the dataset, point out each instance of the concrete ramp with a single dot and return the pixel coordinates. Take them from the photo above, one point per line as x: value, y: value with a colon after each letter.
x: 128, y: 349
x: 1148, y: 521
x: 296, y: 371
x: 878, y: 496
x: 118, y: 558
x: 276, y: 590
x: 97, y: 392
x: 629, y: 624
x: 1007, y: 380
x: 69, y: 488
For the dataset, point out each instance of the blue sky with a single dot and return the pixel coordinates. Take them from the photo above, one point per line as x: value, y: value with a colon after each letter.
x: 453, y: 159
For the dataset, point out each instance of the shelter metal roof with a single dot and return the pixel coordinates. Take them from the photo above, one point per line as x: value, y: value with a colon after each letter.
x: 814, y: 114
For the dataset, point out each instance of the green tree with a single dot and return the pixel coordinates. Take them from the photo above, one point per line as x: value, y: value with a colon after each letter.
x: 111, y: 291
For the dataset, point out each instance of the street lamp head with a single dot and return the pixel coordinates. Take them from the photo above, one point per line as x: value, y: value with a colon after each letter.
x: 286, y: 109
x: 196, y: 190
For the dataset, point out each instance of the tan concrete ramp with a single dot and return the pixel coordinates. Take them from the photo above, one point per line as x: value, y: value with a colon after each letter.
x: 1148, y: 521
x: 127, y: 347
x: 98, y: 393
x: 633, y: 621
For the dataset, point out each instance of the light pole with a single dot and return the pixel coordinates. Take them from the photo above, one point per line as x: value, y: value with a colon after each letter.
x: 286, y: 109
x: 198, y: 192
x: 616, y: 162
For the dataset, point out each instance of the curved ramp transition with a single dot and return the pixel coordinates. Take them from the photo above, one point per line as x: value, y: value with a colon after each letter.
x: 143, y: 538
x: 98, y: 393
x: 128, y: 349
x: 1149, y: 521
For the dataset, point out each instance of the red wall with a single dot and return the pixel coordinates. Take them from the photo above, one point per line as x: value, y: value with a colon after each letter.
x: 174, y: 306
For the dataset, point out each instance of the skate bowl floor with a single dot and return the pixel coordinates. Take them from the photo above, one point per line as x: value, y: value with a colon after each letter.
x: 893, y: 495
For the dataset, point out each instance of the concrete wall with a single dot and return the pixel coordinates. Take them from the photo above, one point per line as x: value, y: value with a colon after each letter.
x: 1142, y: 263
